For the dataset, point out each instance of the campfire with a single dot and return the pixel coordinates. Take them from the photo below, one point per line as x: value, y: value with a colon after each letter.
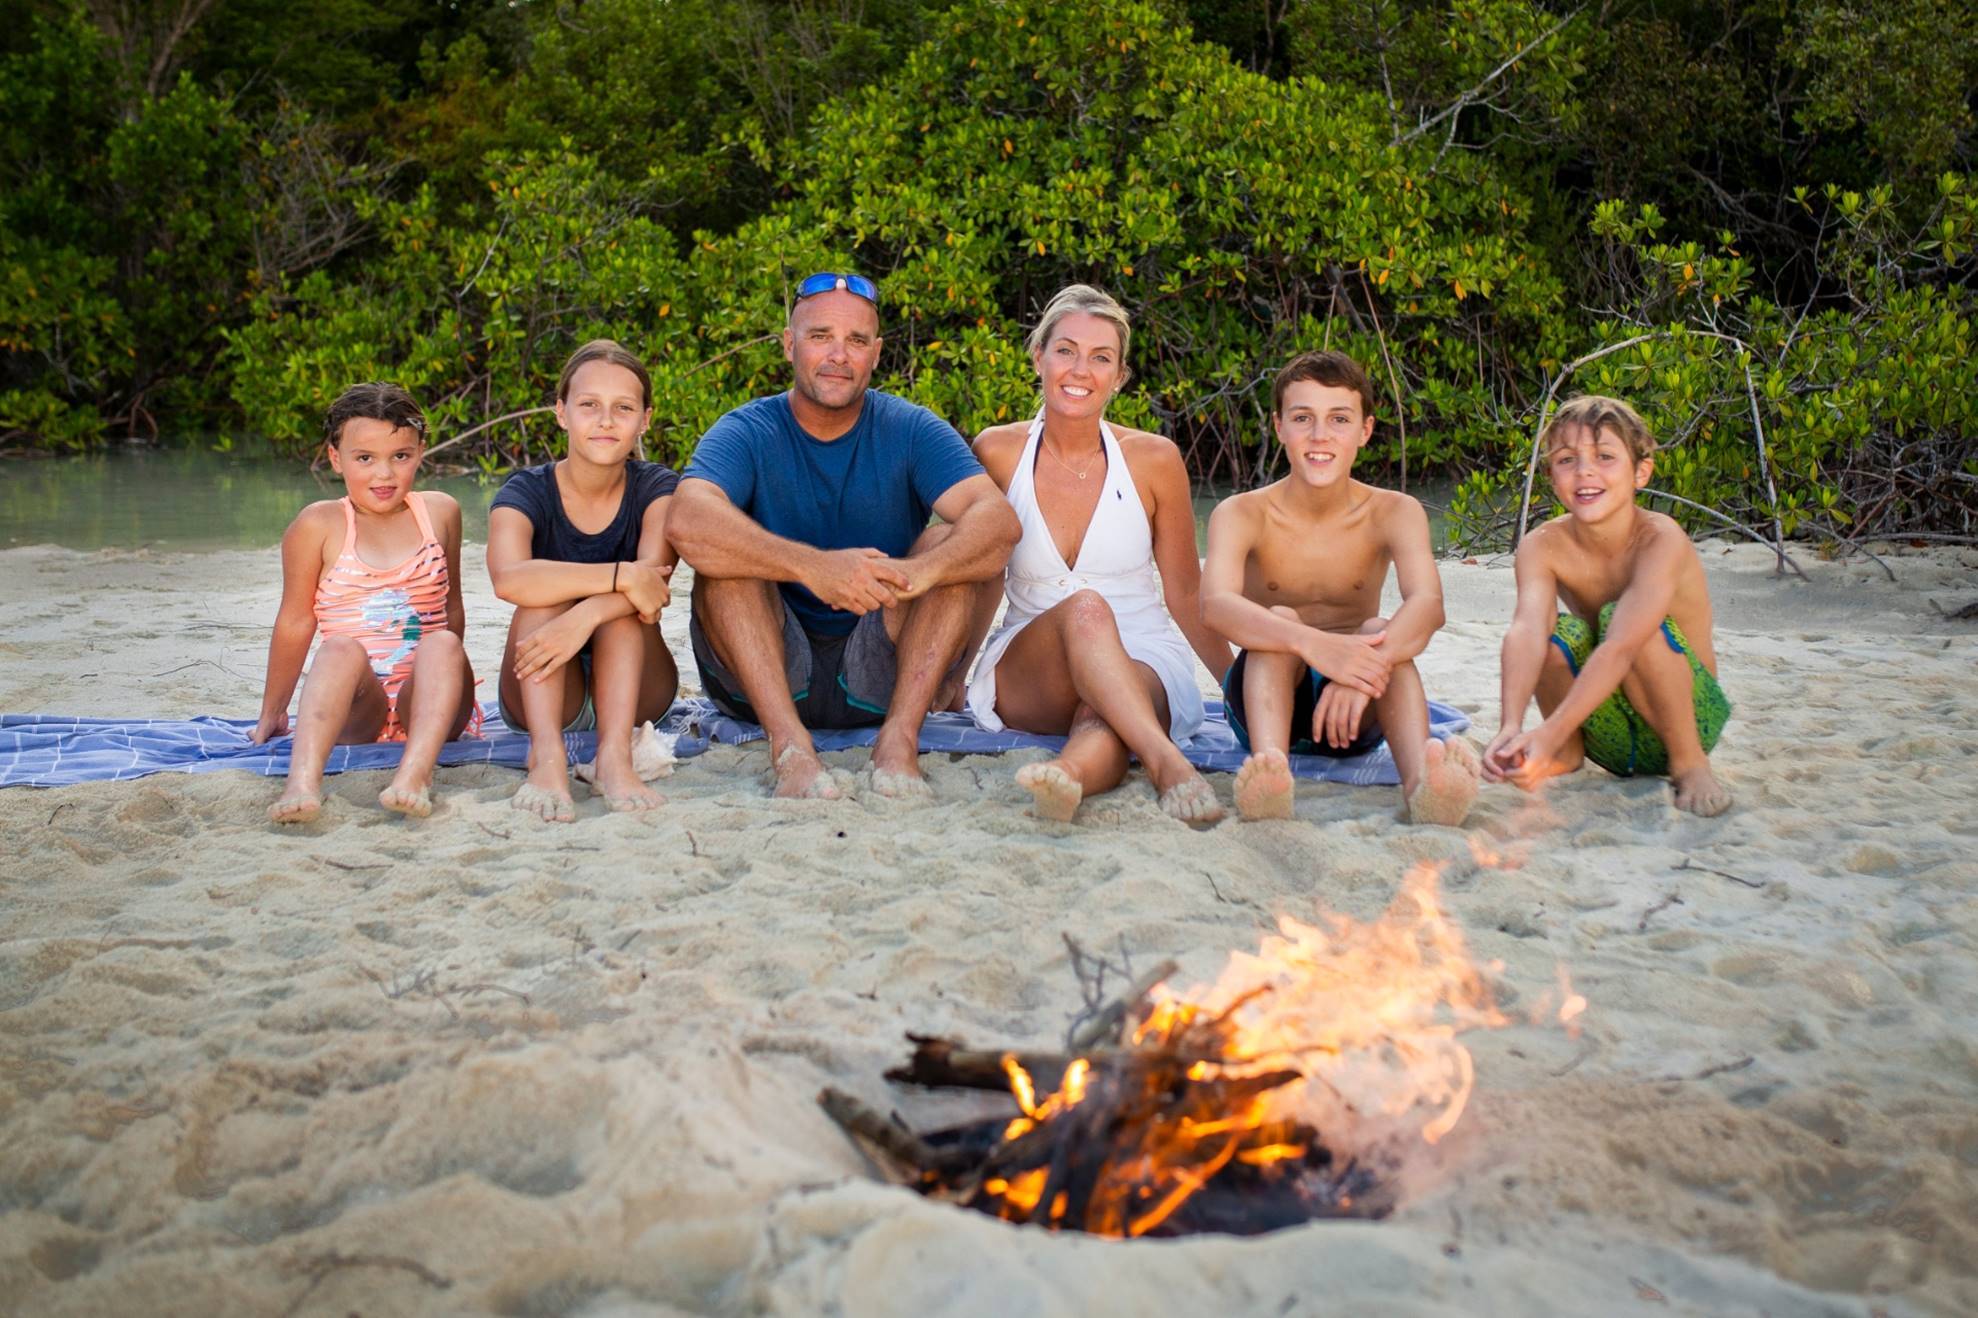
x: 1286, y: 1092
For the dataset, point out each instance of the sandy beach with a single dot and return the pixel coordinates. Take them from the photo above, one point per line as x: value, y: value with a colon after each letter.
x: 482, y: 1064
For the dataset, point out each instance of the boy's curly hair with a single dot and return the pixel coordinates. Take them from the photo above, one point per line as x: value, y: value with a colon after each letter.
x: 374, y: 400
x: 1594, y: 413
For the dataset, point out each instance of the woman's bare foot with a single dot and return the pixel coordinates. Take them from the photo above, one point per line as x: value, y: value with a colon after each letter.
x: 801, y: 775
x: 1263, y: 787
x: 1451, y: 773
x: 408, y: 798
x: 1054, y: 793
x: 299, y: 804
x: 1699, y: 792
x: 622, y: 788
x: 546, y: 794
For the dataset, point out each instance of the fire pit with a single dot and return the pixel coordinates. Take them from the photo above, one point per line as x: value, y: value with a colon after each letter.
x: 1284, y: 1093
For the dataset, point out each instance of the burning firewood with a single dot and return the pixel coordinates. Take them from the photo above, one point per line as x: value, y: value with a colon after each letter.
x: 1266, y: 1102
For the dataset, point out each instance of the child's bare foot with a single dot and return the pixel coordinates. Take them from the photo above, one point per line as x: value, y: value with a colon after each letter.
x: 415, y: 800
x: 801, y: 775
x: 1263, y: 787
x: 299, y: 804
x: 1699, y: 792
x: 1192, y: 800
x: 1451, y: 773
x: 622, y: 788
x: 546, y: 794
x: 1054, y: 793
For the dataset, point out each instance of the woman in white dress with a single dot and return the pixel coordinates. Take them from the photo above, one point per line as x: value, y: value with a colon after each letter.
x: 1090, y: 646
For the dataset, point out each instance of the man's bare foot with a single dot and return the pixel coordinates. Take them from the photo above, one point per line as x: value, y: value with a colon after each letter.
x: 408, y: 798
x: 1263, y: 787
x: 1054, y: 793
x: 546, y: 794
x: 896, y: 769
x: 1451, y: 773
x: 1192, y: 800
x: 801, y: 775
x: 622, y: 788
x: 897, y: 786
x: 1699, y: 792
x: 298, y: 805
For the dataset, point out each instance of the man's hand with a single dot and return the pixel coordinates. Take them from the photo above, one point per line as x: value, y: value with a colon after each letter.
x: 552, y: 645
x: 1336, y: 722
x: 856, y: 580
x: 269, y: 727
x: 645, y: 586
x: 921, y: 578
x: 1354, y: 661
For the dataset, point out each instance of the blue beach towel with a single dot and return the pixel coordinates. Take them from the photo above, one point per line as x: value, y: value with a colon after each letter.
x: 54, y: 750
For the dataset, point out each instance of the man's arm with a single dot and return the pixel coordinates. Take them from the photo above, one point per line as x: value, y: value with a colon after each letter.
x: 1420, y: 615
x: 986, y: 529
x: 1350, y: 660
x: 720, y: 540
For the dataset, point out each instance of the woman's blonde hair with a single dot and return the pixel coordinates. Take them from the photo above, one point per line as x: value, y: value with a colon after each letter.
x: 1093, y: 302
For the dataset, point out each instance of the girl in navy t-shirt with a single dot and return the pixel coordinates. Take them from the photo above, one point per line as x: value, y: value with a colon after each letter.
x: 579, y: 547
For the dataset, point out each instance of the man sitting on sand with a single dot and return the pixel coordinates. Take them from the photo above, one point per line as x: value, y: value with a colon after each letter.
x: 822, y: 598
x: 1627, y: 677
x: 1294, y: 578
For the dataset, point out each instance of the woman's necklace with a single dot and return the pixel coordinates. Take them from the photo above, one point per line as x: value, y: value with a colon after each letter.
x: 1066, y: 465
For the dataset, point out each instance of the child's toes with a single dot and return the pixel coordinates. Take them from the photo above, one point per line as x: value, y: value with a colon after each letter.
x: 414, y: 801
x: 296, y: 808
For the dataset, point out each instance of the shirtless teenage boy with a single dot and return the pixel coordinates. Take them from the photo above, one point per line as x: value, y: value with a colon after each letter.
x: 1627, y: 676
x: 1294, y: 578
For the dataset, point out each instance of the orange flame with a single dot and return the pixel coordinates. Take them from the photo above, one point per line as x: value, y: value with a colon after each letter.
x: 1338, y: 1026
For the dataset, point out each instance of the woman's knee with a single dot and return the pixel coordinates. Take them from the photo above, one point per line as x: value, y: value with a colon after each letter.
x: 1087, y: 612
x: 1373, y: 626
x: 1286, y: 612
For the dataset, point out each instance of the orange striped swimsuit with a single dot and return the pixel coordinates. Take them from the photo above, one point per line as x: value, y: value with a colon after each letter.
x: 388, y: 610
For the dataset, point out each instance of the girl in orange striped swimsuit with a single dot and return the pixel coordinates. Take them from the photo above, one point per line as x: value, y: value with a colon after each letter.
x: 391, y: 666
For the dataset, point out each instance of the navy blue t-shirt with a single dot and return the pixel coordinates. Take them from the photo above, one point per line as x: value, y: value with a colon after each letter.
x: 532, y: 492
x: 873, y: 487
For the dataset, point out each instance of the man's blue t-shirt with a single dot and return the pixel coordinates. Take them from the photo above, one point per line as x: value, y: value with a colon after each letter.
x: 872, y: 487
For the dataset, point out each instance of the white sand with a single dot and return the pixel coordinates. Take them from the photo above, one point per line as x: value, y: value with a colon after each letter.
x: 483, y: 1064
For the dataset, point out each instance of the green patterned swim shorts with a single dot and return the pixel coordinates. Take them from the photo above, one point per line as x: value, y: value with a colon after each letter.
x: 1617, y: 738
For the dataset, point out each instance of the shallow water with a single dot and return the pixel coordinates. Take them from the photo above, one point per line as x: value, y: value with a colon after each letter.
x: 196, y: 499
x: 181, y: 499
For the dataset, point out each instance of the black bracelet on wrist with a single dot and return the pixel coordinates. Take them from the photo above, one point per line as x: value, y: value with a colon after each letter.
x: 614, y: 578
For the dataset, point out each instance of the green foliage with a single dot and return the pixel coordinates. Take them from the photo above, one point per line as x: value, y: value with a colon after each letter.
x: 1021, y: 148
x: 1849, y: 420
x: 235, y: 218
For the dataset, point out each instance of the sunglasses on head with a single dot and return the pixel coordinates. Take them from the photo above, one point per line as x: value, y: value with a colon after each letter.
x: 827, y: 282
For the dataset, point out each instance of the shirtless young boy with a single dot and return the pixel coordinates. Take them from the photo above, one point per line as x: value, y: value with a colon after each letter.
x: 1294, y: 579
x: 1627, y: 677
